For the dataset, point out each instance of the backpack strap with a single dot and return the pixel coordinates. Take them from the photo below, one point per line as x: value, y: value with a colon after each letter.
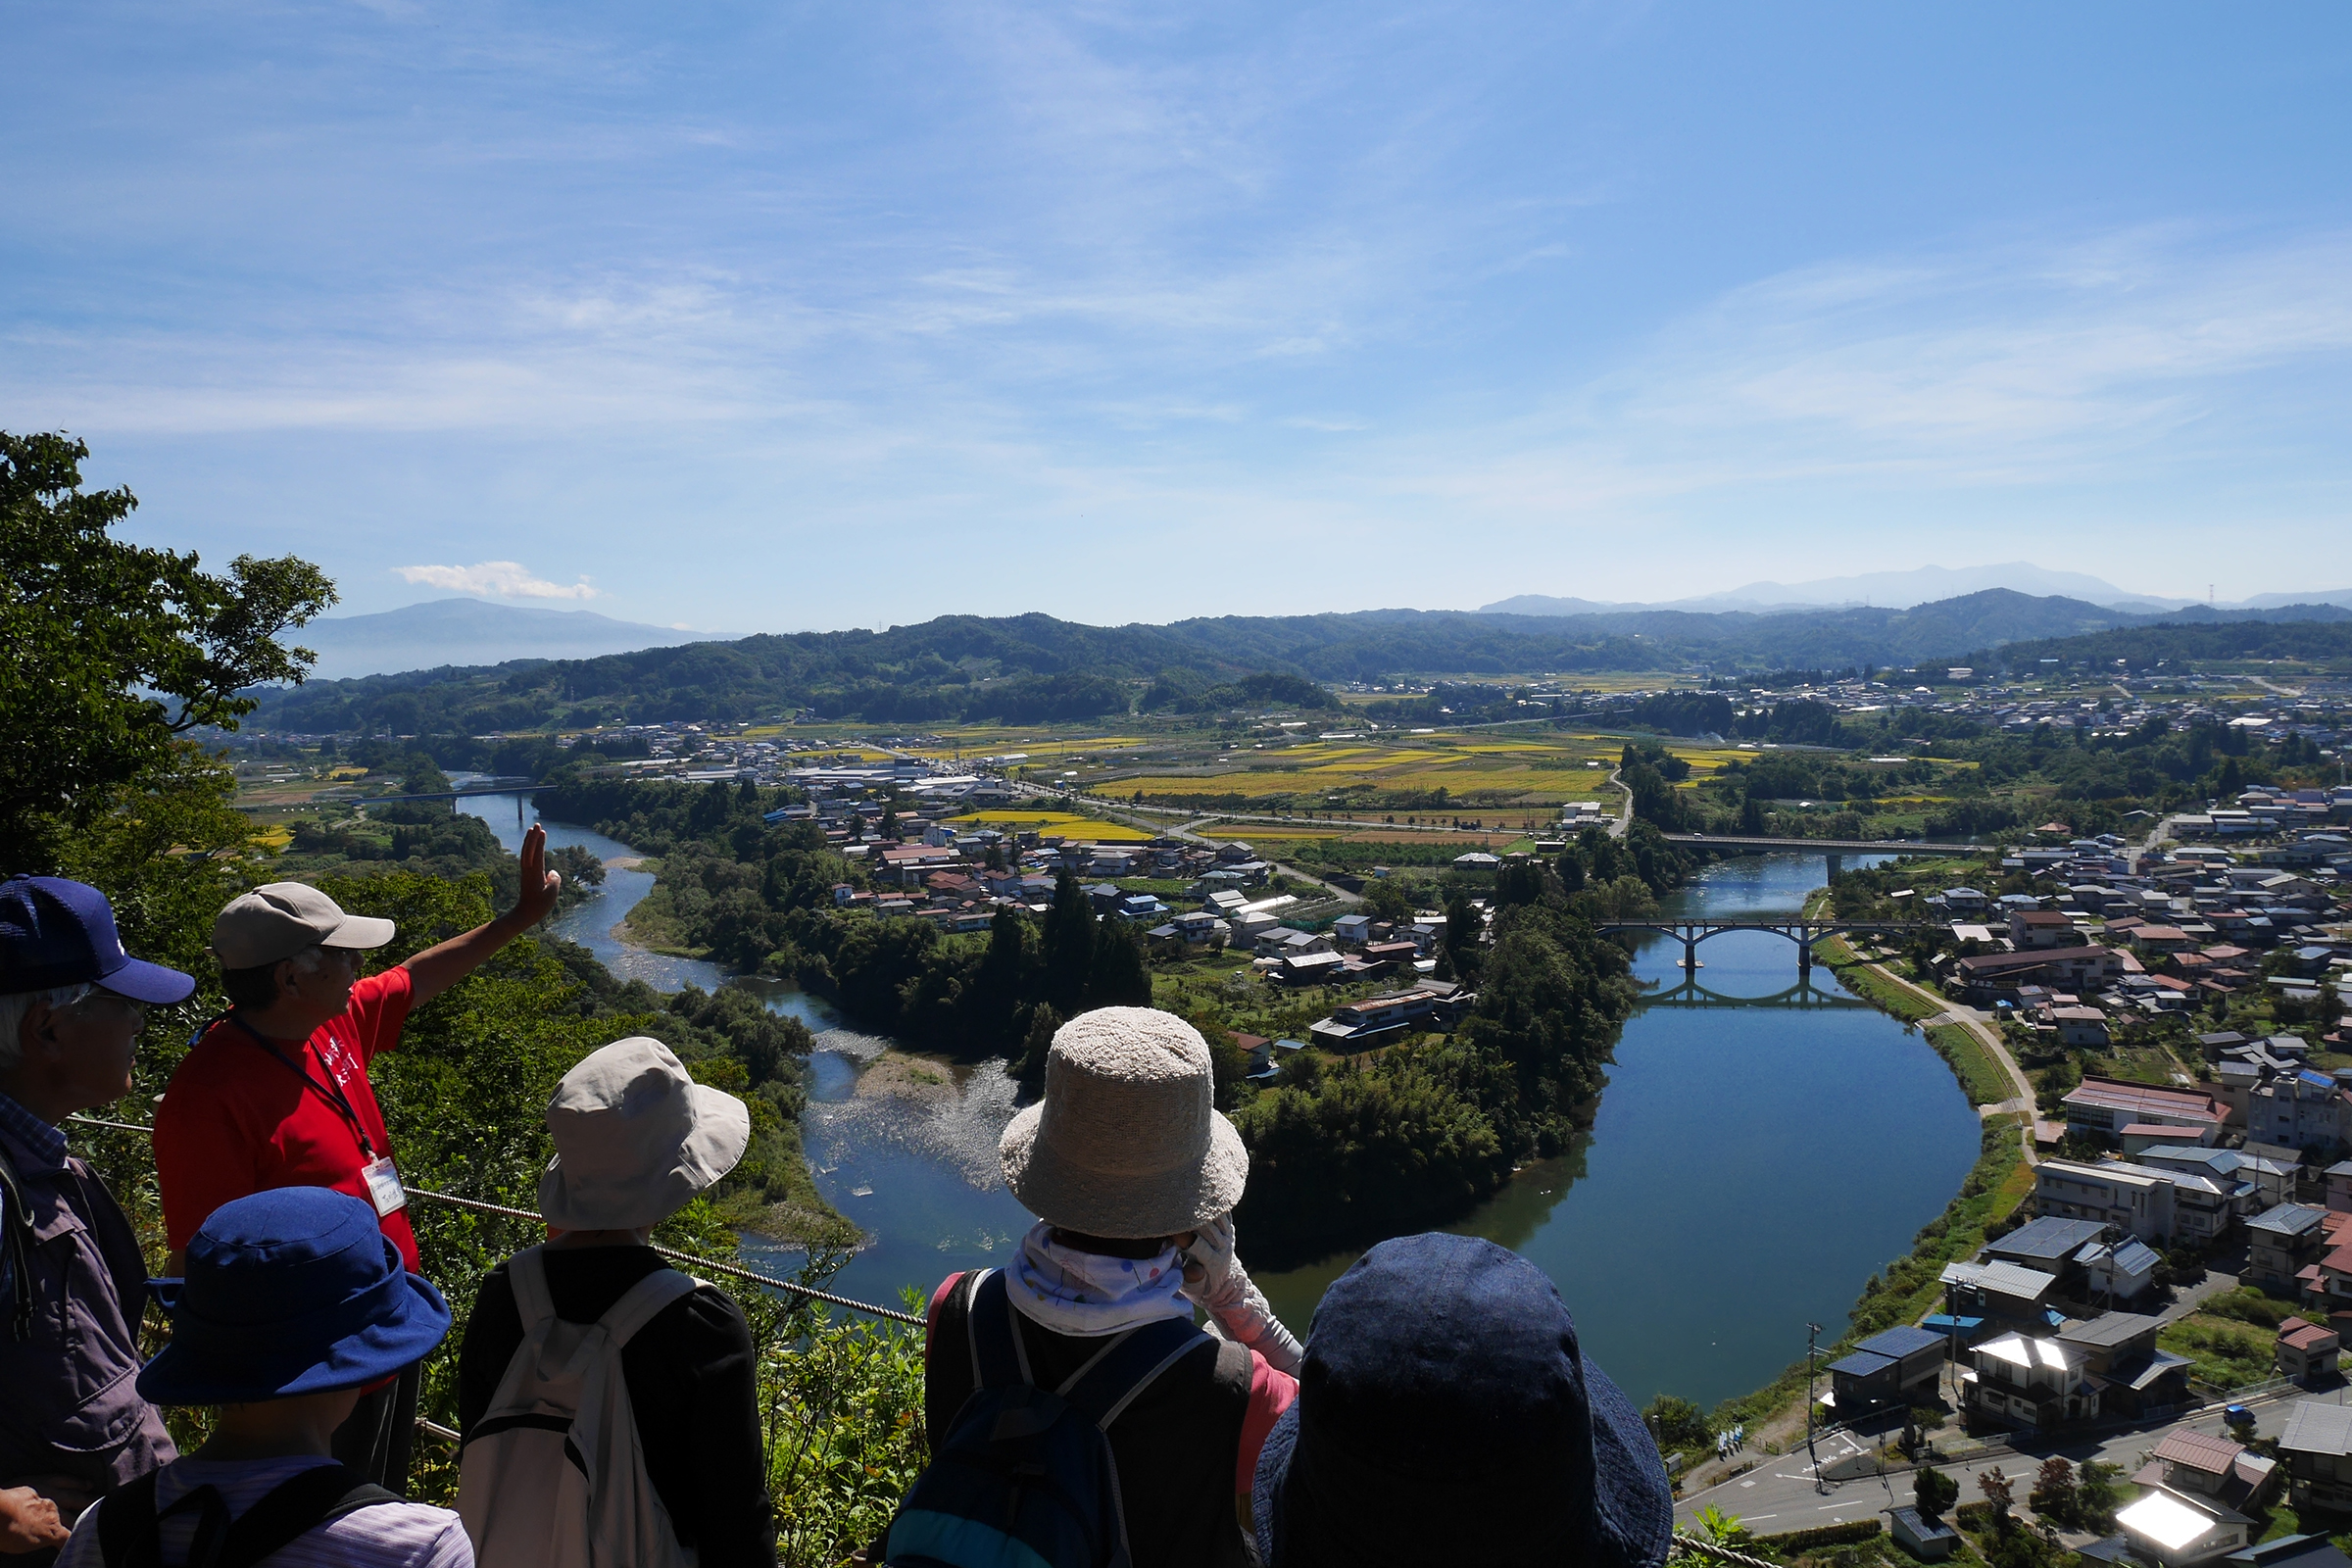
x: 1103, y: 1387
x: 126, y: 1533
x: 293, y: 1508
x: 129, y: 1533
x: 526, y: 1277
x: 643, y: 1301
x: 1000, y: 1361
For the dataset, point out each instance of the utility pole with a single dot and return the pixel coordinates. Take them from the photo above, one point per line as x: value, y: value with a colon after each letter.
x: 1812, y: 1333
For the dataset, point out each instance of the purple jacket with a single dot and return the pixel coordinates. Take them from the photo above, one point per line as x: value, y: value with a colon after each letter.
x: 71, y: 1408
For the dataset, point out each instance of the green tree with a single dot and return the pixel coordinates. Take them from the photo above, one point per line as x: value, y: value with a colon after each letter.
x: 1934, y: 1492
x: 1678, y: 1423
x: 1117, y: 977
x: 1067, y: 946
x: 110, y: 653
x: 2054, y: 1496
x: 1389, y: 900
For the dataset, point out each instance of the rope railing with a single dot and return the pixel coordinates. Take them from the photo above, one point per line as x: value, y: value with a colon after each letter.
x: 1686, y: 1544
x: 733, y: 1270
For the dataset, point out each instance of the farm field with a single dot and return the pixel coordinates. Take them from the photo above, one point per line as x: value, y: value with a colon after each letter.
x: 1418, y: 773
x: 1069, y: 824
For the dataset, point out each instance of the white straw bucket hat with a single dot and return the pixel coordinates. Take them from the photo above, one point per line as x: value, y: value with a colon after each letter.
x: 636, y: 1138
x: 1127, y: 1143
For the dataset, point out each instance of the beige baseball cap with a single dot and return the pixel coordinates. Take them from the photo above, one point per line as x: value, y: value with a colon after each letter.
x: 280, y: 919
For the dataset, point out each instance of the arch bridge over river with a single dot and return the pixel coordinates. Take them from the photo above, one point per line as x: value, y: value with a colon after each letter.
x: 1804, y: 933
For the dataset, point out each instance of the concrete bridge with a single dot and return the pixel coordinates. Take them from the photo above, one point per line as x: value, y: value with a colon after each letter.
x: 1804, y: 933
x: 1803, y: 994
x: 1835, y: 851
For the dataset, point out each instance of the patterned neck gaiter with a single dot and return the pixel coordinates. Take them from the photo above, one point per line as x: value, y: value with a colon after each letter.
x: 1086, y: 1294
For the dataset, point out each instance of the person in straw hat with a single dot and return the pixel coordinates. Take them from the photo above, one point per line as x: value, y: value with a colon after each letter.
x: 636, y: 1139
x: 1133, y: 1176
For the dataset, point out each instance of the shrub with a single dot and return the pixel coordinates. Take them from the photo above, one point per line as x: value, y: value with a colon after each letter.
x: 1974, y: 1517
x: 1841, y: 1535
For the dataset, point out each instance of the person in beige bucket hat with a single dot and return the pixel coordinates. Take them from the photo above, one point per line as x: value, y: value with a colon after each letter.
x: 1133, y: 1176
x: 636, y: 1139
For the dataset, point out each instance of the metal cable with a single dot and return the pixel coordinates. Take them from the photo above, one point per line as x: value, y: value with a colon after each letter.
x: 735, y: 1270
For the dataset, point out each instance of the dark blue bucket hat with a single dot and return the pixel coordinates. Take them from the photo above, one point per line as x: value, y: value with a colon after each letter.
x: 1445, y: 1413
x: 58, y: 932
x: 292, y: 1290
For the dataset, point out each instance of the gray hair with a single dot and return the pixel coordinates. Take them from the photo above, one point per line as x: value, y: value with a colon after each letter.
x: 15, y: 1005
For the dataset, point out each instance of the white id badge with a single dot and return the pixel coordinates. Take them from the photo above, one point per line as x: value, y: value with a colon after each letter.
x: 383, y: 1185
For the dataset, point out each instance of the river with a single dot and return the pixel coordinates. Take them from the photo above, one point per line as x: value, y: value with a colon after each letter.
x: 1750, y: 1165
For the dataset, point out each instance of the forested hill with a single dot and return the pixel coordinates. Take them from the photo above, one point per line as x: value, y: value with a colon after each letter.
x: 1033, y: 669
x: 2144, y: 647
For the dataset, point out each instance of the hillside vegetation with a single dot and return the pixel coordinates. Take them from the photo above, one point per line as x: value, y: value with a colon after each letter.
x: 1028, y: 669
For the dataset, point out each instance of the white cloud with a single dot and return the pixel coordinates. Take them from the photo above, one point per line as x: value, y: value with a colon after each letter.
x: 509, y: 580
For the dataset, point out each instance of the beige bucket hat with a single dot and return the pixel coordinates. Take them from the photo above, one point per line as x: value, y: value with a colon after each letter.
x: 636, y: 1138
x: 281, y: 918
x: 1127, y: 1141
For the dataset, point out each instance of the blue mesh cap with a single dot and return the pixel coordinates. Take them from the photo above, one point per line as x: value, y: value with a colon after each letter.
x: 1446, y: 1413
x: 58, y: 932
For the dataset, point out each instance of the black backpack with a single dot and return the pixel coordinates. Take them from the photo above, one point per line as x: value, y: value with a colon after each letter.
x: 128, y: 1537
x: 1025, y: 1475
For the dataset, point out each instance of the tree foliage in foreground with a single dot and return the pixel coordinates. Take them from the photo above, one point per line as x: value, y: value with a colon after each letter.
x: 110, y: 652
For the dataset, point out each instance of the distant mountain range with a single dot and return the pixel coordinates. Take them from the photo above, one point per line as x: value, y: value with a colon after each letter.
x: 1904, y: 590
x: 472, y: 632
x: 1022, y: 670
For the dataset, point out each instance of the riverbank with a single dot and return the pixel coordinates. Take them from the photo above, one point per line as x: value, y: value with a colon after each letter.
x: 1909, y: 1288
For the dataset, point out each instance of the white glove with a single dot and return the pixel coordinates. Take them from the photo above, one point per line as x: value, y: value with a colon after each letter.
x: 1214, y: 1279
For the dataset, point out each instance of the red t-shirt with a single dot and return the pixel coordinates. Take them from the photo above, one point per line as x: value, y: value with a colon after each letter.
x: 234, y: 1121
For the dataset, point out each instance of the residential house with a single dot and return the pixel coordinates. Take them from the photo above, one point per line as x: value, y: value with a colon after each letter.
x: 1354, y: 930
x: 1281, y: 942
x: 2119, y: 1350
x: 2196, y: 1465
x: 2280, y: 1243
x: 2305, y: 1110
x: 2132, y: 1198
x: 2080, y: 1025
x: 2037, y: 1383
x: 1991, y: 976
x: 1313, y: 969
x: 2316, y: 1447
x: 1377, y: 1021
x: 2306, y: 1352
x: 2257, y: 1183
x: 2042, y: 928
x: 2339, y: 1177
x: 1200, y: 928
x: 2048, y: 1244
x: 2173, y: 1531
x: 2001, y: 1292
x: 2289, y: 1551
x: 2118, y: 1271
x: 1894, y: 1368
x: 2103, y: 1107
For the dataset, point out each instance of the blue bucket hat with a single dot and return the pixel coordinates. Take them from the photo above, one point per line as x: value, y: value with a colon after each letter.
x: 292, y: 1290
x: 58, y: 932
x: 1445, y: 1413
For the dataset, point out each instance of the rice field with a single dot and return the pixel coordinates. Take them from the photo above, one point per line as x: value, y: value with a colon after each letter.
x: 1068, y: 824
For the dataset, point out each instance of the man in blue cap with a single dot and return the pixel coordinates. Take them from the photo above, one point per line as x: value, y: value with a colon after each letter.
x: 72, y: 1427
x: 293, y: 1302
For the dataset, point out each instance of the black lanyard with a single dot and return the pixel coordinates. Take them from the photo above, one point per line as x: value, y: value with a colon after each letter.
x: 330, y: 1092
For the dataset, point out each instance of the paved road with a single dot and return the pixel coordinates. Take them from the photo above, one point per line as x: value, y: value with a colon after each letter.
x: 1780, y: 1495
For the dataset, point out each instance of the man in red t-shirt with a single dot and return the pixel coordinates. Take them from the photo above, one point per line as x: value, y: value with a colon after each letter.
x: 275, y: 1093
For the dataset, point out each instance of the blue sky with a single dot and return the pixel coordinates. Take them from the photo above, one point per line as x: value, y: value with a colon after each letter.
x: 784, y: 317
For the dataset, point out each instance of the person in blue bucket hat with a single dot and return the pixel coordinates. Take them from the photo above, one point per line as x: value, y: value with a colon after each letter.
x: 73, y: 1005
x: 292, y: 1302
x: 1446, y: 1414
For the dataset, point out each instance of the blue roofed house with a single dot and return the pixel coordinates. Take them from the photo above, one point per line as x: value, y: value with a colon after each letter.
x: 1885, y: 1369
x: 2119, y: 1354
x: 2118, y: 1270
x: 2051, y: 1245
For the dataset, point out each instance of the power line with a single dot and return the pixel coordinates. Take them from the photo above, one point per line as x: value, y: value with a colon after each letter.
x: 716, y: 1266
